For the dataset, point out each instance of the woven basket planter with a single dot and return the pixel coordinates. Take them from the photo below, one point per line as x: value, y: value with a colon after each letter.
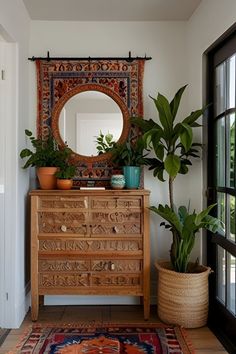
x: 182, y: 298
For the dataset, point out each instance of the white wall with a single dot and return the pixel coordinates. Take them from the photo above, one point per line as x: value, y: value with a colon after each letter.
x: 14, y: 28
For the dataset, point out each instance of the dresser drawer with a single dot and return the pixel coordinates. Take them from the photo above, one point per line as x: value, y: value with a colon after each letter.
x: 114, y: 203
x: 63, y: 281
x: 48, y: 265
x: 62, y: 222
x: 86, y: 281
x: 115, y: 222
x: 61, y: 246
x: 63, y: 265
x: 116, y: 265
x: 63, y: 202
x: 116, y: 280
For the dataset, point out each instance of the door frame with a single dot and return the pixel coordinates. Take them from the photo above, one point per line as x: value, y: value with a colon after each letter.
x: 9, y: 316
x: 223, y: 316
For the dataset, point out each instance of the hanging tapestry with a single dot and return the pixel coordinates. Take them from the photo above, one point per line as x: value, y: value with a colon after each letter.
x: 55, y: 78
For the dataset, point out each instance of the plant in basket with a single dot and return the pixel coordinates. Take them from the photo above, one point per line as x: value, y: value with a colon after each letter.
x: 173, y: 145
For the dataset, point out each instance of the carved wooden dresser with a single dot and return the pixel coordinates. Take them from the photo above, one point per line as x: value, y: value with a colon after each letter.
x: 92, y: 242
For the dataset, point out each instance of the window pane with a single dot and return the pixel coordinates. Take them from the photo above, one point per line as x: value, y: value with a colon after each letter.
x: 231, y: 283
x: 220, y: 152
x: 221, y: 207
x: 221, y: 274
x: 231, y: 82
x: 232, y: 218
x: 230, y: 155
x: 220, y: 88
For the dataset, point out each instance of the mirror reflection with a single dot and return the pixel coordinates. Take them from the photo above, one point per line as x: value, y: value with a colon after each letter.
x: 85, y: 116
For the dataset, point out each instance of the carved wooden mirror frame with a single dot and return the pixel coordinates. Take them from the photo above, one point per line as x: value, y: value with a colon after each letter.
x: 76, y: 157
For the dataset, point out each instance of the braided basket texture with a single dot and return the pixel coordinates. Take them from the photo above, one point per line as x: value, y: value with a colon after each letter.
x: 182, y: 298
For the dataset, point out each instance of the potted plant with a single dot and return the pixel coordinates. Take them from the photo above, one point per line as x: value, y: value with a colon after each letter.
x: 65, y: 176
x: 173, y: 146
x: 129, y: 156
x: 104, y: 143
x: 46, y: 157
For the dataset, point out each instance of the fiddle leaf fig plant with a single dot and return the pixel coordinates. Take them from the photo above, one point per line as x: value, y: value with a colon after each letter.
x: 173, y: 145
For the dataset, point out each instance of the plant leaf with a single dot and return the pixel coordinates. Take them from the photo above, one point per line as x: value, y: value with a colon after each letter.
x: 172, y: 164
x: 186, y: 136
x: 165, y: 115
x: 174, y: 105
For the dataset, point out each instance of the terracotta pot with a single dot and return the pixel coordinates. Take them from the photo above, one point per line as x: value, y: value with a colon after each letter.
x: 64, y: 183
x: 182, y: 298
x: 47, y: 178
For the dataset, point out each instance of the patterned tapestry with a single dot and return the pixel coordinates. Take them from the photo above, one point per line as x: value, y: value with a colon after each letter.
x: 57, y: 77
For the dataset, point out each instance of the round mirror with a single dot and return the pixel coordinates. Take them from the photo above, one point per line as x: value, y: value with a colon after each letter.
x: 85, y: 117
x: 85, y: 113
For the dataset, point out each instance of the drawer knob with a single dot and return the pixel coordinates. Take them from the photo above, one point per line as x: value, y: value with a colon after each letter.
x: 112, y: 266
x: 63, y: 228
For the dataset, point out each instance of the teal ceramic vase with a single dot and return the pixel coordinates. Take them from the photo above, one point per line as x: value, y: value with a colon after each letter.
x: 132, y: 176
x: 117, y: 181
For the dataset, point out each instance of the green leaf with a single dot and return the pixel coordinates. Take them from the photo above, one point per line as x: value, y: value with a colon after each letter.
x: 183, y: 169
x: 174, y: 105
x: 25, y: 153
x: 160, y: 175
x: 172, y: 164
x: 159, y: 151
x: 165, y: 114
x: 191, y: 119
x: 204, y: 213
x: 28, y: 132
x: 144, y: 125
x: 169, y: 215
x: 186, y: 136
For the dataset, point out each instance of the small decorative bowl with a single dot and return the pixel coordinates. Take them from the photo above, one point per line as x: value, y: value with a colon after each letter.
x: 117, y: 181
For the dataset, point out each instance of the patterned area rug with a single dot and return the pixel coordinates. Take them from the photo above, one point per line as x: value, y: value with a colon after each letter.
x: 130, y: 339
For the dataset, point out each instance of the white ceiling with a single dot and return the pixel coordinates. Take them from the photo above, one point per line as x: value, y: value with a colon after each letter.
x: 111, y: 10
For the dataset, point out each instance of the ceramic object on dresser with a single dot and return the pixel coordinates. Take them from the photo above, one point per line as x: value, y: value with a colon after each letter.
x: 64, y: 183
x: 117, y: 181
x: 46, y: 177
x: 132, y: 176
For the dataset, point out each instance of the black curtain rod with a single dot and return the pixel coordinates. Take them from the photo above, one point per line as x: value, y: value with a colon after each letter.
x: 129, y: 58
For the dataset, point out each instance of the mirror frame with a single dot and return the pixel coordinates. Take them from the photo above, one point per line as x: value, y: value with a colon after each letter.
x: 77, y: 158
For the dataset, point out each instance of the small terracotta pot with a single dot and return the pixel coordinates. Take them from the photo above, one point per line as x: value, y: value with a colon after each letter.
x: 64, y: 183
x: 46, y: 177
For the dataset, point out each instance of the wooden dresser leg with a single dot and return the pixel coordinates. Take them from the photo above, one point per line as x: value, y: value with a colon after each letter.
x: 146, y: 307
x: 34, y: 307
x: 41, y: 300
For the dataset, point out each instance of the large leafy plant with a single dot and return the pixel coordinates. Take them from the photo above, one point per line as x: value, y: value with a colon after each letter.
x: 173, y: 145
x: 44, y: 153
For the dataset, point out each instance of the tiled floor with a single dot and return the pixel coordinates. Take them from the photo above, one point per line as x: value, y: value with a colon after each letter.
x: 202, y: 339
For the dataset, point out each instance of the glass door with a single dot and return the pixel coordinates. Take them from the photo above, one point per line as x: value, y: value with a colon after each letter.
x: 222, y: 189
